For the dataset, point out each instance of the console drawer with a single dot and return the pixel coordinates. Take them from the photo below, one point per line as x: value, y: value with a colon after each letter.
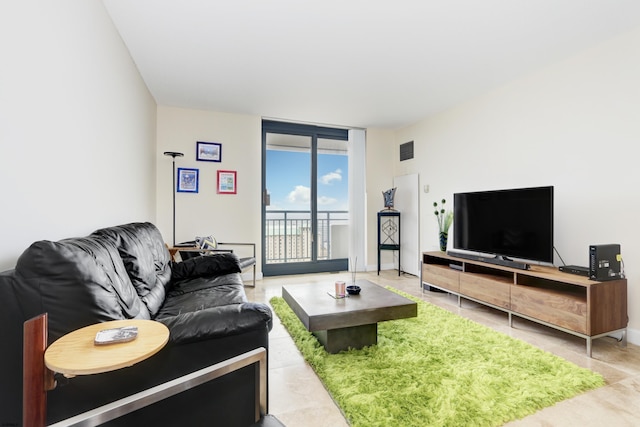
x: 441, y: 277
x: 489, y: 290
x: 564, y: 310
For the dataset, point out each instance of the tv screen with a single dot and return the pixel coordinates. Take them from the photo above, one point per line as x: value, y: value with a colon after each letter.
x: 509, y: 223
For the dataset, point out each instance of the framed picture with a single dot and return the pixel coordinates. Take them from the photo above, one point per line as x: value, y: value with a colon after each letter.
x: 187, y: 180
x: 227, y: 182
x: 208, y: 151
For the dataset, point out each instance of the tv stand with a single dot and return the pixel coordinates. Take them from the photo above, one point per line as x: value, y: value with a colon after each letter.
x: 567, y: 302
x: 497, y: 260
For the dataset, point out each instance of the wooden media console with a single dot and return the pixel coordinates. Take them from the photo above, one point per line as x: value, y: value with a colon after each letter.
x: 570, y: 303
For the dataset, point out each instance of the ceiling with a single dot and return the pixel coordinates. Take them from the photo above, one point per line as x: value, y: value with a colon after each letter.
x: 353, y: 63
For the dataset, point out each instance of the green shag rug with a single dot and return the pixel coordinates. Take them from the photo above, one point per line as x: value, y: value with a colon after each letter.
x: 439, y: 369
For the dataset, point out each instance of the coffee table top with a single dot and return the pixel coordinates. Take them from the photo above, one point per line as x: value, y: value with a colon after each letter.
x: 76, y: 354
x: 318, y: 310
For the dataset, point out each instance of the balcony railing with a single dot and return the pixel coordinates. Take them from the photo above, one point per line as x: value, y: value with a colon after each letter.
x: 289, y: 235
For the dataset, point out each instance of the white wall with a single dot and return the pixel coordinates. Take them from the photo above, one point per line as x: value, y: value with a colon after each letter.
x: 240, y: 135
x: 228, y: 217
x: 237, y: 217
x: 77, y: 125
x: 574, y: 125
x: 380, y: 150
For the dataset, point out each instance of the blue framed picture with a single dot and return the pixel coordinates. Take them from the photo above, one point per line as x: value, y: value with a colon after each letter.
x: 208, y: 151
x: 187, y: 180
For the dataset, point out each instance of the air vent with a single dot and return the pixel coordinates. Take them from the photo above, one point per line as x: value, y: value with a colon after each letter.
x: 406, y: 151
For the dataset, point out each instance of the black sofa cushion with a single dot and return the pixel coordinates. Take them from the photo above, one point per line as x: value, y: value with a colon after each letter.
x: 78, y: 281
x: 210, y: 307
x: 145, y: 258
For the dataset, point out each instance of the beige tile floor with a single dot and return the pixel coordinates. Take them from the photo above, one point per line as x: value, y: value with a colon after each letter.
x: 298, y: 398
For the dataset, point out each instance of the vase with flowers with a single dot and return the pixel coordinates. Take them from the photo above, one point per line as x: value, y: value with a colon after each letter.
x: 445, y: 219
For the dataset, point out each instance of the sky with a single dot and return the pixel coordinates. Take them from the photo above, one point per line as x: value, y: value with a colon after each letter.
x: 288, y: 180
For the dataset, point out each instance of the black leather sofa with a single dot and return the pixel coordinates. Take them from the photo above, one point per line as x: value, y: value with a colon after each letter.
x: 126, y: 272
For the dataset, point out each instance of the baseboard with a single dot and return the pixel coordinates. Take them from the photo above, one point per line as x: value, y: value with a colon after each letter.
x: 633, y: 336
x: 388, y: 266
x: 247, y: 276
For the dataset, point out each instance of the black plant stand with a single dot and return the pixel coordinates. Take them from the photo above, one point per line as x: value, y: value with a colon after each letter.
x: 389, y: 234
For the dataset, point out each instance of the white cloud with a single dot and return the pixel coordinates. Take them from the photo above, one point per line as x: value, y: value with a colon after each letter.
x: 323, y: 200
x: 331, y: 176
x: 300, y: 195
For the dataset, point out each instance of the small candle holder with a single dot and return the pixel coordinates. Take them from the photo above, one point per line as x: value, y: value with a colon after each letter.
x: 341, y: 289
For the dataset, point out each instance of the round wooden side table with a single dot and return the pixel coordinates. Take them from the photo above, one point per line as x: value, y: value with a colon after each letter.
x: 76, y: 354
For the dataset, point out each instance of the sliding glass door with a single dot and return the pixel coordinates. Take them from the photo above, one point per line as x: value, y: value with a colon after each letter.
x: 305, y: 199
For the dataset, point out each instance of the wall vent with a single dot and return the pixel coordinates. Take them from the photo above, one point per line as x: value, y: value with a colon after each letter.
x: 406, y: 151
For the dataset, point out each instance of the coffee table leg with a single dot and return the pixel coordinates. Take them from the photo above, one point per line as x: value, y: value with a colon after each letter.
x: 336, y: 340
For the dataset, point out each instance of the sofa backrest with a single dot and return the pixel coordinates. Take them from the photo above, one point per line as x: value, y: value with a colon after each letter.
x: 145, y: 257
x: 11, y: 320
x: 78, y: 281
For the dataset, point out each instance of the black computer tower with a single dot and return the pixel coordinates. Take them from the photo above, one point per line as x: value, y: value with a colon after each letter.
x: 604, y: 262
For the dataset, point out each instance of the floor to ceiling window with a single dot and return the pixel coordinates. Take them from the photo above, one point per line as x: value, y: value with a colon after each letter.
x: 305, y: 207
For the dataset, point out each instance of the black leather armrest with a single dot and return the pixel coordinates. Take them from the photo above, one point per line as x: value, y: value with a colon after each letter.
x: 245, y: 261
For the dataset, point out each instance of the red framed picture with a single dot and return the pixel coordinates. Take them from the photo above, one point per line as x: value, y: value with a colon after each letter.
x: 227, y: 182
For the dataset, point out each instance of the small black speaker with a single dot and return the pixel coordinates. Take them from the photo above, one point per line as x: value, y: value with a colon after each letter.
x: 604, y: 262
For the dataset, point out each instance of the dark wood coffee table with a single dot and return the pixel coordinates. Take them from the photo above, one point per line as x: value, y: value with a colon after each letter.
x: 350, y: 322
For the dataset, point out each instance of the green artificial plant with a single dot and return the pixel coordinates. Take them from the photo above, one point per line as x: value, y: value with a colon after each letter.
x: 445, y: 218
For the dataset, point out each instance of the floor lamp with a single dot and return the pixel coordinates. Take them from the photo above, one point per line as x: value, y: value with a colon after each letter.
x: 174, y: 155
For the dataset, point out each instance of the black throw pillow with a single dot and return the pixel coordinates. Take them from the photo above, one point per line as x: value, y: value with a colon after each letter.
x: 205, y: 266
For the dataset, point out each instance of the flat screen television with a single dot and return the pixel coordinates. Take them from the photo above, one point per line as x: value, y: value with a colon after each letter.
x: 514, y: 223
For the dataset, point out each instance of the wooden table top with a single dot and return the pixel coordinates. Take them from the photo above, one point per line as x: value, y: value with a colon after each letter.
x: 76, y: 354
x: 318, y: 310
